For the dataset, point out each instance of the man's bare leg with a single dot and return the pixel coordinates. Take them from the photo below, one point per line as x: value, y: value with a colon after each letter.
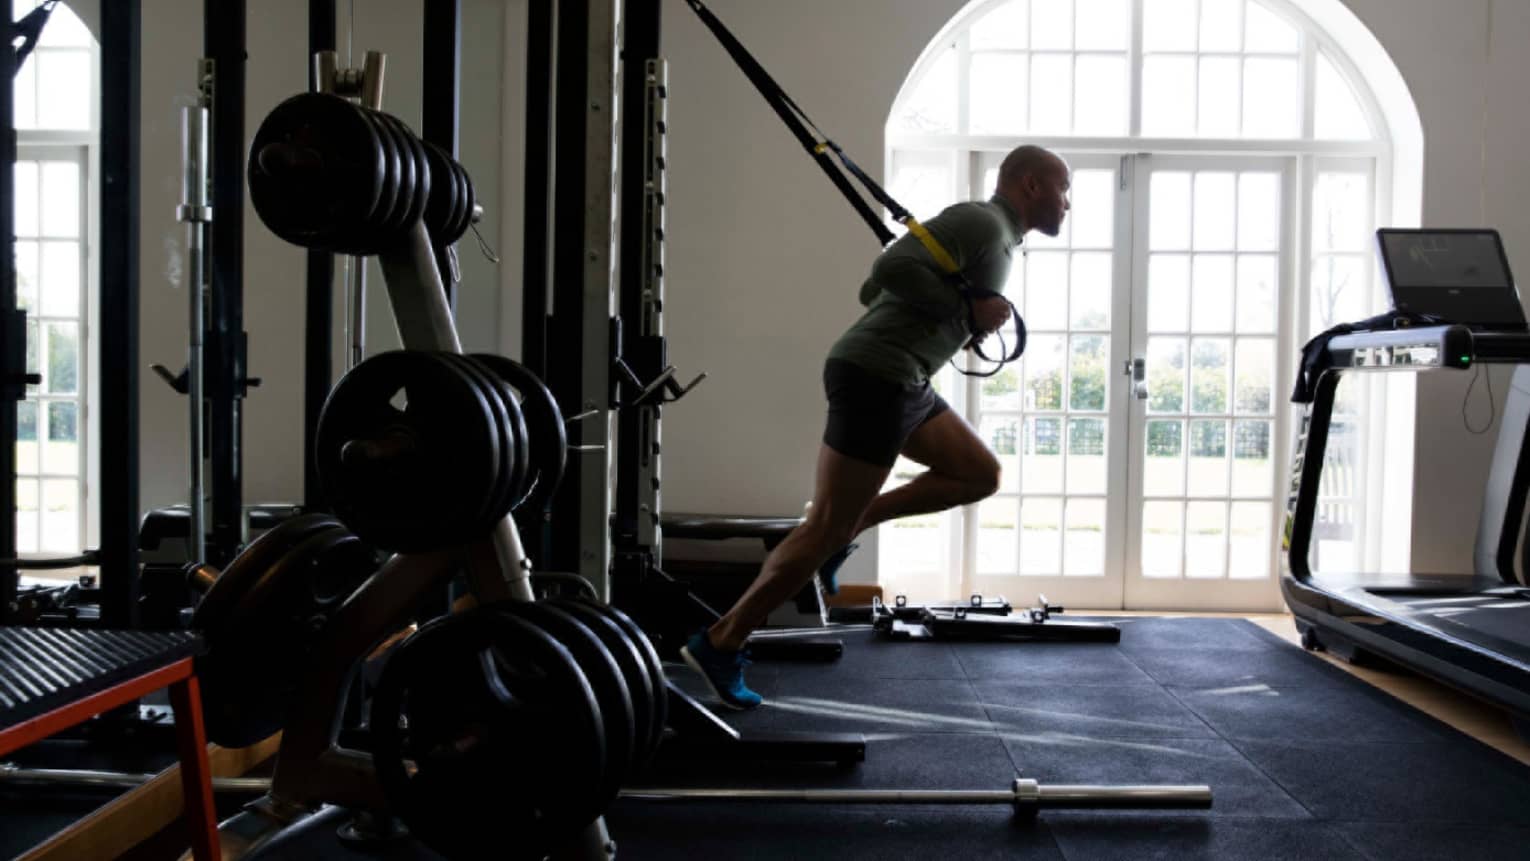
x: 844, y: 487
x: 961, y: 471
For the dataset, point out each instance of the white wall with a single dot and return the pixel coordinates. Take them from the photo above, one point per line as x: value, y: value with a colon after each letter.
x: 274, y: 272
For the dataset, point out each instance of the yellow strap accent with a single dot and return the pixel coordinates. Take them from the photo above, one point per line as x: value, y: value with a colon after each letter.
x: 937, y: 251
x: 820, y: 149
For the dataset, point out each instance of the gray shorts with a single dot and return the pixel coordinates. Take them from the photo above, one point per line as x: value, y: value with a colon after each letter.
x: 870, y: 418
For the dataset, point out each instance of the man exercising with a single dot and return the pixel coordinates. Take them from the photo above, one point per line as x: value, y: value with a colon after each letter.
x: 881, y: 404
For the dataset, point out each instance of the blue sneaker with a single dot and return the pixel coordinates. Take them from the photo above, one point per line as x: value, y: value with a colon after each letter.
x: 723, y: 671
x: 829, y: 571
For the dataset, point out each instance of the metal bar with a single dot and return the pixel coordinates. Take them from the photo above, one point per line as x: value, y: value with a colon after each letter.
x: 371, y: 93
x: 116, y: 779
x: 539, y: 165
x: 224, y: 37
x: 120, y: 45
x: 318, y: 348
x: 442, y: 98
x: 12, y: 336
x: 196, y: 212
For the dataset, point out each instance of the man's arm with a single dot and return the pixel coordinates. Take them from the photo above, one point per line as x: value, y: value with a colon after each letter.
x: 909, y: 272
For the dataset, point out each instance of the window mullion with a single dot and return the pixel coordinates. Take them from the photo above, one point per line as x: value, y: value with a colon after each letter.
x: 1134, y: 62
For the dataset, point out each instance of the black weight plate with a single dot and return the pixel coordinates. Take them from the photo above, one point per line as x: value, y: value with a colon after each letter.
x: 389, y: 209
x: 635, y: 669
x: 521, y: 439
x: 398, y: 220
x: 544, y: 421
x: 503, y: 731
x: 434, y: 452
x: 650, y: 657
x: 498, y: 505
x: 220, y: 603
x: 416, y: 148
x: 606, y: 679
x: 255, y: 661
x: 441, y: 205
x: 315, y: 166
x: 464, y: 197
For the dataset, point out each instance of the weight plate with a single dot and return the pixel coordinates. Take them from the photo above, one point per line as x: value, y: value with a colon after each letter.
x: 441, y: 205
x: 497, y: 505
x: 650, y: 657
x: 629, y: 657
x: 390, y: 209
x: 486, y: 733
x: 544, y: 421
x: 464, y: 200
x: 415, y: 148
x: 315, y: 166
x: 398, y: 220
x: 222, y: 600
x: 520, y: 450
x: 407, y: 452
x: 606, y: 679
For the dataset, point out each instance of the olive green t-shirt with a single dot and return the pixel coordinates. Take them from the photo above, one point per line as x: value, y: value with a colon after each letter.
x: 915, y: 318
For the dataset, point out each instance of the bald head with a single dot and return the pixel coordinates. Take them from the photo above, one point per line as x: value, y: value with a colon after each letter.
x: 1035, y: 181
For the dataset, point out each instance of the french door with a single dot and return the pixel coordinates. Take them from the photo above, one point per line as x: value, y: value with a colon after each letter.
x: 1141, y: 435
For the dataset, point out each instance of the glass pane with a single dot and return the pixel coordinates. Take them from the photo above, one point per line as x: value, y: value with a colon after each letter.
x: 1086, y: 538
x: 1208, y: 458
x: 1215, y: 210
x: 27, y: 203
x: 1051, y: 93
x: 1339, y: 293
x: 64, y: 93
x: 1046, y: 307
x: 1042, y: 468
x: 1206, y: 539
x: 1337, y: 114
x: 1166, y: 375
x: 1169, y: 216
x: 1211, y: 304
x: 1162, y: 530
x: 1093, y: 215
x: 27, y: 459
x: 1168, y: 25
x: 1086, y: 456
x: 1052, y: 25
x: 1341, y: 212
x: 34, y: 354
x: 921, y: 183
x: 61, y: 279
x: 1268, y: 32
x: 1256, y: 293
x: 1044, y: 373
x: 1164, y: 471
x: 1167, y: 84
x: 26, y: 276
x: 26, y: 97
x: 1221, y: 25
x: 1259, y: 212
x: 1100, y: 104
x: 1103, y: 25
x: 60, y: 516
x: 1090, y: 305
x: 63, y: 372
x: 1272, y: 92
x: 61, y: 452
x: 1002, y: 390
x: 1041, y: 536
x: 1209, y: 367
x: 61, y: 198
x: 1255, y: 392
x: 931, y: 106
x: 64, y: 30
x: 997, y: 92
x: 1088, y: 373
x: 997, y: 547
x: 1220, y: 93
x: 1250, y: 540
x: 1002, y: 28
x: 1003, y: 437
x: 1253, y: 466
x: 27, y: 504
x: 1168, y: 293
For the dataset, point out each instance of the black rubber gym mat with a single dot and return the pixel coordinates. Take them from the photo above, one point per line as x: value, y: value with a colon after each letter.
x: 1304, y: 760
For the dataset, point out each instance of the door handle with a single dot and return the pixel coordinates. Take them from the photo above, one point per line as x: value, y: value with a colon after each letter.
x: 1137, y: 370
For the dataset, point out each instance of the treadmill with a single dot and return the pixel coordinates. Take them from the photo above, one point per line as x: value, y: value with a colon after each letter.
x: 1468, y: 630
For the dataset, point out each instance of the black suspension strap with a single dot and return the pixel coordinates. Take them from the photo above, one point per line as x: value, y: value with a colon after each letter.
x: 826, y: 152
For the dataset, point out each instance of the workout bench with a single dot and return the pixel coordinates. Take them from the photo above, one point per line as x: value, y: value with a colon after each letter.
x: 54, y: 678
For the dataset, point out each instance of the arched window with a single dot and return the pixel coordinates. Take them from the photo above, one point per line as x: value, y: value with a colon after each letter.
x: 1230, y: 162
x: 56, y: 122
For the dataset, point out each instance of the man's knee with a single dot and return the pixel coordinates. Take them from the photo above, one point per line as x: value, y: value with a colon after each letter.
x: 985, y: 480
